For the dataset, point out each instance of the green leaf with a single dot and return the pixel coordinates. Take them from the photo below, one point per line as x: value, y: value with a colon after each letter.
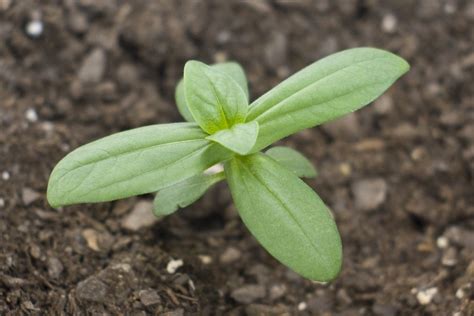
x: 215, y: 100
x: 240, y: 138
x: 184, y: 193
x: 329, y: 88
x: 235, y: 71
x: 293, y: 160
x: 181, y: 102
x: 133, y: 162
x: 232, y: 69
x: 285, y: 216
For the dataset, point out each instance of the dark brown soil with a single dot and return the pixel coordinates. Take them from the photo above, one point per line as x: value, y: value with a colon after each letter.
x: 398, y: 174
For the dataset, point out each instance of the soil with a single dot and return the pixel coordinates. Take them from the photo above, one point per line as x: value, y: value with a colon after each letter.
x: 397, y: 174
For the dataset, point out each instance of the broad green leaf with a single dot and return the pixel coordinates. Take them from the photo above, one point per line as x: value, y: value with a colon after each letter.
x: 240, y: 138
x: 133, y: 162
x: 184, y: 193
x: 215, y: 100
x: 293, y: 160
x: 231, y: 69
x: 285, y: 216
x: 327, y: 89
x: 181, y: 102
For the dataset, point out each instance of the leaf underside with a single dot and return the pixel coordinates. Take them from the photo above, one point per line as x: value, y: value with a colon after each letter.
x: 133, y: 162
x: 286, y: 216
x: 184, y: 193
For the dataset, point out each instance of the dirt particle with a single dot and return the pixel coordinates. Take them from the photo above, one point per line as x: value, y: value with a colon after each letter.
x: 149, y: 297
x: 140, y: 217
x: 28, y: 196
x: 369, y: 194
x: 248, y: 293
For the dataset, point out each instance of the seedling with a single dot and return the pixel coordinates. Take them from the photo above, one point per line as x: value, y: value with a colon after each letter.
x: 283, y: 213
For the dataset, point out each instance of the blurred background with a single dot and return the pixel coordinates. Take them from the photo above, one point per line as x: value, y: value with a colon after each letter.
x: 398, y: 174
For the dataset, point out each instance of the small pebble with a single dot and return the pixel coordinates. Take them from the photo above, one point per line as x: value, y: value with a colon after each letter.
x: 55, y: 267
x: 345, y: 169
x: 93, y: 67
x: 230, y: 255
x: 389, y: 23
x: 28, y: 196
x: 2, y: 202
x: 277, y: 291
x: 460, y: 293
x: 149, y: 297
x: 205, y: 259
x: 174, y: 265
x: 31, y: 115
x: 369, y: 193
x: 248, y: 293
x: 34, y: 28
x: 449, y: 258
x: 5, y: 175
x: 140, y: 217
x: 442, y: 242
x: 302, y: 306
x: 425, y: 297
x: 92, y: 289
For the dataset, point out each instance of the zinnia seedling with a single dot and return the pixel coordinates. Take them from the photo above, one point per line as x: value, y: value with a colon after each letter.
x: 283, y: 213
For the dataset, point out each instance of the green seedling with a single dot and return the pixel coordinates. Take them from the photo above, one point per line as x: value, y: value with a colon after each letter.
x: 283, y: 213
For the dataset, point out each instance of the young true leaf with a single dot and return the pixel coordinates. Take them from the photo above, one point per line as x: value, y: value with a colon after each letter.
x: 134, y: 162
x: 331, y: 87
x: 184, y: 193
x: 215, y: 100
x: 285, y: 216
x: 240, y: 138
x: 231, y: 69
x: 293, y: 160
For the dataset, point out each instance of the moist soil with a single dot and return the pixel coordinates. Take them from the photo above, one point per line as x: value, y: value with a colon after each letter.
x: 397, y: 174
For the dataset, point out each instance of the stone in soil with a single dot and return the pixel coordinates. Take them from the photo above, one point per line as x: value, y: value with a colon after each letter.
x: 111, y: 285
x: 93, y: 67
x: 248, y: 293
x: 140, y: 217
x: 231, y: 254
x: 369, y: 194
x: 28, y: 196
x: 149, y: 297
x: 55, y: 267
